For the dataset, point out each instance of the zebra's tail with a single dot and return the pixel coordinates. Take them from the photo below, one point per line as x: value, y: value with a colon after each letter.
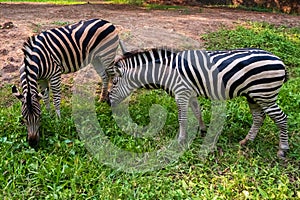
x: 286, y: 77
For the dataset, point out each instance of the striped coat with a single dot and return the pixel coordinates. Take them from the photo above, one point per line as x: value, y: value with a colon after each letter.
x: 218, y: 75
x: 59, y: 51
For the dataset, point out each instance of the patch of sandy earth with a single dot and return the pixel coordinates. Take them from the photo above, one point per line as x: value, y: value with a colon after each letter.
x: 139, y: 27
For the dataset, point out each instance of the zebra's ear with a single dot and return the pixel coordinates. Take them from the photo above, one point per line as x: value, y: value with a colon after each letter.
x: 117, y: 71
x: 40, y: 96
x: 44, y: 92
x: 17, y: 94
x: 123, y: 48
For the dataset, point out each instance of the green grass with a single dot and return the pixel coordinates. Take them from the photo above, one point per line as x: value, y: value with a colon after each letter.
x: 282, y: 41
x: 258, y: 9
x: 61, y: 23
x: 247, y: 8
x: 132, y: 2
x: 60, y: 2
x: 165, y: 7
x: 148, y: 6
x: 63, y: 168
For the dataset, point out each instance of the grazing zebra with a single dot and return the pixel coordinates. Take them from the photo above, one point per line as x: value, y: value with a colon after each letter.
x: 60, y: 51
x: 217, y: 75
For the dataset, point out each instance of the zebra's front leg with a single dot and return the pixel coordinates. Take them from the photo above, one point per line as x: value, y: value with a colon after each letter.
x: 258, y: 117
x: 197, y: 112
x: 182, y: 104
x: 55, y: 84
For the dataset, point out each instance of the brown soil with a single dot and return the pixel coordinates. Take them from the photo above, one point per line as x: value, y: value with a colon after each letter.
x: 139, y: 27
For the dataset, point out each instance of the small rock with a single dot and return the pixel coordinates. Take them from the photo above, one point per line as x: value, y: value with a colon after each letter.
x: 7, y: 25
x: 3, y: 52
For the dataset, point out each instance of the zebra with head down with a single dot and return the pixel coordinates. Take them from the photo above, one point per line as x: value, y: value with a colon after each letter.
x: 218, y: 75
x: 59, y: 51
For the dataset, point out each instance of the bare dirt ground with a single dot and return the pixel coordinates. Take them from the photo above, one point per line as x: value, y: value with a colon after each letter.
x: 139, y: 27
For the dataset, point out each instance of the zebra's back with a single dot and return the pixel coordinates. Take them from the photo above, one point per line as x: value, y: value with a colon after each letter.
x: 74, y: 46
x: 227, y: 74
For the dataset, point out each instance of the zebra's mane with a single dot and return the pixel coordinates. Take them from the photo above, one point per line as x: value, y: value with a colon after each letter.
x: 27, y: 51
x: 156, y: 52
x: 28, y: 46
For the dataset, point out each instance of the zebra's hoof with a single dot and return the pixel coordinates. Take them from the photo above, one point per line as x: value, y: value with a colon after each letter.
x: 282, y: 154
x: 284, y: 147
x: 243, y: 142
x: 33, y: 142
x: 182, y: 140
x: 203, y: 133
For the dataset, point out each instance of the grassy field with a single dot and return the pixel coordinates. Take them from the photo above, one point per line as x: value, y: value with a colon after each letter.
x: 63, y: 168
x: 61, y: 2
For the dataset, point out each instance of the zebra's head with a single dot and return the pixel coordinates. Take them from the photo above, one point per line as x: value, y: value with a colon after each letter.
x: 31, y: 112
x: 121, y: 85
x: 118, y: 91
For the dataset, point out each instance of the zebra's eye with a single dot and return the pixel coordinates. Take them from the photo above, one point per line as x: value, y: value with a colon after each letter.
x: 115, y: 81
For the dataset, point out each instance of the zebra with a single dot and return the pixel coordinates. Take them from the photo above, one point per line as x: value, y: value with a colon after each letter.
x: 59, y: 51
x: 217, y: 75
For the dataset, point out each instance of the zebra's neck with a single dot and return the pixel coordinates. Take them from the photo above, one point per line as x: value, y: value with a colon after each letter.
x: 29, y: 87
x: 29, y: 71
x: 28, y: 80
x: 152, y: 70
x: 38, y: 57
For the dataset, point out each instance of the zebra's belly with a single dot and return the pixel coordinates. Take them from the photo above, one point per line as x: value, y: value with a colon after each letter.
x: 264, y: 92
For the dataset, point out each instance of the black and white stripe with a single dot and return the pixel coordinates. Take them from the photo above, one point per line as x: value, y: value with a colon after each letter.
x: 218, y: 75
x: 59, y: 51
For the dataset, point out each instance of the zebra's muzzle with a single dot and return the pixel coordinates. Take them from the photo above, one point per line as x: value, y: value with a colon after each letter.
x: 33, y: 140
x: 108, y: 101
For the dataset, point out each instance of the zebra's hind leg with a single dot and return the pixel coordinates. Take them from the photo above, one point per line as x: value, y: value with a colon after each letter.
x: 258, y: 117
x: 55, y: 84
x: 280, y: 119
x: 102, y: 72
x: 44, y: 86
x: 197, y: 112
x: 104, y: 89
